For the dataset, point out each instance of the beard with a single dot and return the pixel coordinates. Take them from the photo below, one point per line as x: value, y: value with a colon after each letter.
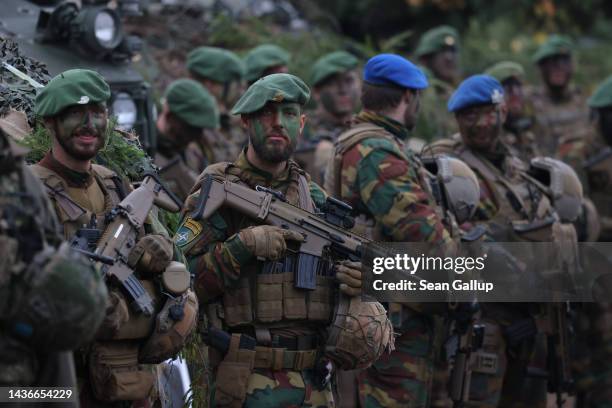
x: 70, y: 145
x: 273, y: 153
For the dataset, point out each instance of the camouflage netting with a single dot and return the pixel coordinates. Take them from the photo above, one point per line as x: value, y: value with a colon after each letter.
x: 15, y: 92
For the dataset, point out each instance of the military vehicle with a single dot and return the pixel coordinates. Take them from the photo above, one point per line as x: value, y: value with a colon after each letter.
x: 66, y: 34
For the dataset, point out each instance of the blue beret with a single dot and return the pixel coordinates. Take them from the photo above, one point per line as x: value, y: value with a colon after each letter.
x: 391, y: 69
x: 476, y: 90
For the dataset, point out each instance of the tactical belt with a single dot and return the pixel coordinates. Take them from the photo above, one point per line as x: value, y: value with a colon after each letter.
x: 280, y: 358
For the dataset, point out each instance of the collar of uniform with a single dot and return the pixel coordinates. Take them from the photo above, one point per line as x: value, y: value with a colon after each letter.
x: 390, y: 125
x: 73, y: 178
x: 254, y: 176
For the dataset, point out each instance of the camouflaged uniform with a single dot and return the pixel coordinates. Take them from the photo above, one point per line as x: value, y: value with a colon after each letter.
x: 226, y: 274
x: 509, y: 200
x: 593, y: 163
x: 521, y: 139
x: 52, y: 299
x: 386, y: 187
x: 559, y: 122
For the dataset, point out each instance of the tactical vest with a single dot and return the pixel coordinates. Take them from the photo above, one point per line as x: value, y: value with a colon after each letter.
x: 73, y: 216
x: 265, y: 296
x: 111, y: 363
x: 365, y: 224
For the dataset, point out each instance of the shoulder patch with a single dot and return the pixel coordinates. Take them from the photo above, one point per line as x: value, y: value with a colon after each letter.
x: 188, y: 231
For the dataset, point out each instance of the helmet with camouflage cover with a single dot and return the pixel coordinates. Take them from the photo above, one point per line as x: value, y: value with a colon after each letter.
x: 65, y: 302
x: 458, y: 189
x: 563, y: 184
x: 359, y: 334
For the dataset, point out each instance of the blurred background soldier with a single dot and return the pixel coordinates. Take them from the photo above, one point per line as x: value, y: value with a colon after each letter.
x: 110, y: 370
x: 221, y: 72
x: 561, y: 110
x: 438, y: 52
x: 52, y: 299
x: 594, y: 332
x: 188, y: 109
x: 264, y: 60
x: 518, y: 128
x: 336, y: 88
x: 509, y: 370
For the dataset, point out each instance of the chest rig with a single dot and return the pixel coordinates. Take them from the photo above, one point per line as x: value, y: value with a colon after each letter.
x: 266, y: 295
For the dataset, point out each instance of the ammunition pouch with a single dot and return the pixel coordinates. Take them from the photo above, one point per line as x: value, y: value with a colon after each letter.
x: 233, y: 374
x: 275, y: 298
x: 174, y: 323
x: 122, y: 322
x: 114, y: 372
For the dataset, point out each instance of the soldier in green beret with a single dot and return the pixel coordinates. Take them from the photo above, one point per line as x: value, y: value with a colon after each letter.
x: 73, y: 110
x: 264, y: 60
x: 225, y: 252
x: 336, y: 89
x: 561, y: 109
x: 438, y: 52
x: 518, y: 132
x: 221, y: 72
x: 188, y: 109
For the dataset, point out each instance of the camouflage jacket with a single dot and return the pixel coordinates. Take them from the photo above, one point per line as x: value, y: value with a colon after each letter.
x: 214, y: 252
x: 521, y: 139
x: 385, y: 184
x: 559, y: 122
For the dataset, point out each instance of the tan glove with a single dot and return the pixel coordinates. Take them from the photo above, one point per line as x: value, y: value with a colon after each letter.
x: 348, y: 274
x: 152, y: 254
x: 268, y: 241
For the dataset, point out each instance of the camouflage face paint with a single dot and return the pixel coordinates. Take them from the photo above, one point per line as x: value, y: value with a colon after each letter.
x: 339, y: 94
x: 480, y: 126
x: 81, y: 130
x: 275, y: 129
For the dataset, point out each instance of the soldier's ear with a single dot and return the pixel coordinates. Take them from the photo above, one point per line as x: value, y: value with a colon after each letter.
x: 503, y: 112
x: 49, y: 124
x: 245, y: 121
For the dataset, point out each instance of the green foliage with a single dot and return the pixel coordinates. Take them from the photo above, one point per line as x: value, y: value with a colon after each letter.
x: 195, y: 353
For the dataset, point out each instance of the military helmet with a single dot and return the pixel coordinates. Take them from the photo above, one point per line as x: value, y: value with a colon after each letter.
x: 359, y: 334
x: 455, y: 185
x: 66, y: 302
x: 563, y: 184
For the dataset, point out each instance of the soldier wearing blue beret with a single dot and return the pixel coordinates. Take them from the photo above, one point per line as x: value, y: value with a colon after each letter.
x: 379, y: 177
x: 511, y: 203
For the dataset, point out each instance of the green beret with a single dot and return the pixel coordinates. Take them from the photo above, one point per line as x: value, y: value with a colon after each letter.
x: 215, y: 63
x: 555, y: 45
x: 506, y: 69
x: 263, y: 57
x: 72, y: 87
x: 272, y: 88
x: 436, y: 39
x: 191, y: 102
x: 330, y: 64
x: 602, y: 97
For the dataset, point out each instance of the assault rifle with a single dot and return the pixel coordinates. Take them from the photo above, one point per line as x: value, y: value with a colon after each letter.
x: 324, y: 241
x: 123, y: 224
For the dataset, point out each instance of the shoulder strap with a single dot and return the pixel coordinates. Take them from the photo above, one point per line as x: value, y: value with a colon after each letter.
x: 346, y: 141
x: 56, y: 190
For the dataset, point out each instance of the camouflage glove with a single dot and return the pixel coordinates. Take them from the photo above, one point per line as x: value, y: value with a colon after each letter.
x: 152, y: 254
x: 349, y: 275
x: 267, y: 241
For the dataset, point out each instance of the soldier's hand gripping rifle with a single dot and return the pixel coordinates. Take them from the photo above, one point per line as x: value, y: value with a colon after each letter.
x: 322, y: 235
x: 120, y: 235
